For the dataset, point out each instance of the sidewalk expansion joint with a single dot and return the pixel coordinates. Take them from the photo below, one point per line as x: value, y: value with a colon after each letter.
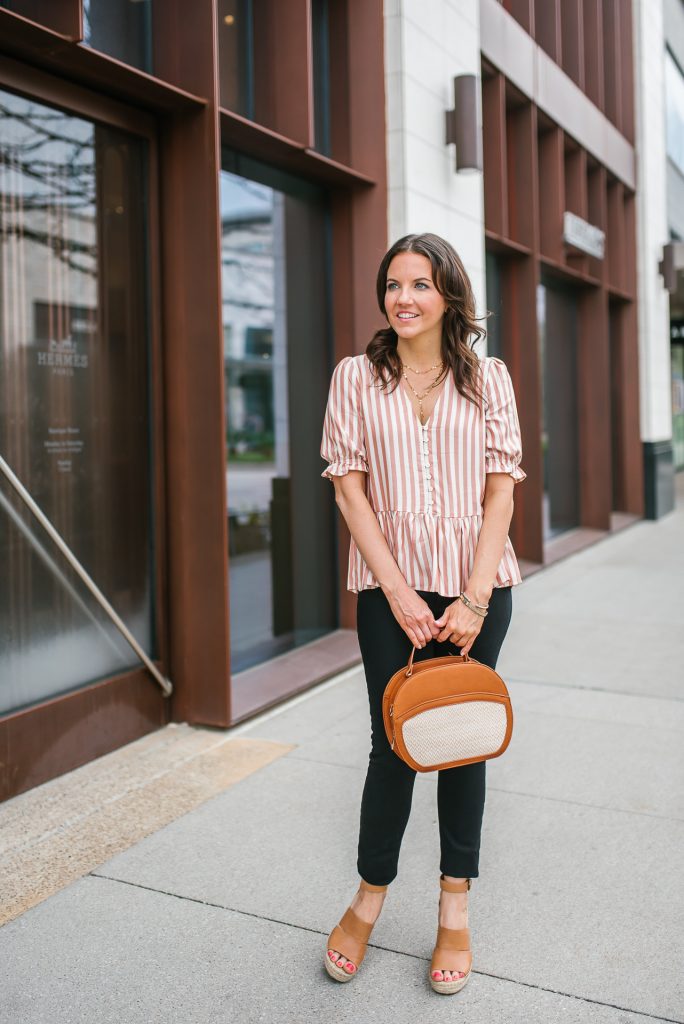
x: 593, y: 689
x: 292, y: 756
x: 581, y: 803
x: 385, y: 949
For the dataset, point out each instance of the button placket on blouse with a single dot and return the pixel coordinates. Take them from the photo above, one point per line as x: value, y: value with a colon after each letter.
x: 427, y: 471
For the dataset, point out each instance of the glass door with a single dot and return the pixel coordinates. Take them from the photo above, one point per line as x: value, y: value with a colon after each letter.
x: 277, y: 354
x: 74, y: 398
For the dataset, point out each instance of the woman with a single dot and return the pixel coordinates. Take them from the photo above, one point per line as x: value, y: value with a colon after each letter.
x: 423, y: 444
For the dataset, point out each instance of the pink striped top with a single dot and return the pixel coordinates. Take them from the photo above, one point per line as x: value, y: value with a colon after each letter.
x: 425, y: 483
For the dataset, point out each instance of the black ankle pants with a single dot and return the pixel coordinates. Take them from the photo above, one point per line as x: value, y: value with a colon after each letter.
x: 387, y: 794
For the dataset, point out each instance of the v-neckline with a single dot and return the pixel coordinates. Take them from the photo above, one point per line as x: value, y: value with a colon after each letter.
x: 428, y: 422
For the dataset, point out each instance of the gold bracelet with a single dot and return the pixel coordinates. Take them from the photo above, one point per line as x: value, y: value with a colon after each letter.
x: 473, y: 608
x: 482, y: 607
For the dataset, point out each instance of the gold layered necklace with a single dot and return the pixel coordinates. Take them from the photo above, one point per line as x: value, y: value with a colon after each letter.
x: 421, y: 395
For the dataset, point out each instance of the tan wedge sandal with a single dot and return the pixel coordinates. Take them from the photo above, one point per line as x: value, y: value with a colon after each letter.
x: 350, y: 938
x: 449, y: 942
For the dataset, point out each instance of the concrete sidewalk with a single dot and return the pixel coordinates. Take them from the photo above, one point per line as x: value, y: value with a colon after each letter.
x: 578, y: 913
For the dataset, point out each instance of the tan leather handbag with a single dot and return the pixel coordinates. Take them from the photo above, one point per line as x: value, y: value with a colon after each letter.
x: 445, y: 712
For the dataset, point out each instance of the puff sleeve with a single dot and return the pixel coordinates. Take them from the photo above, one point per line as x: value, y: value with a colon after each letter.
x: 343, y: 443
x: 503, y: 445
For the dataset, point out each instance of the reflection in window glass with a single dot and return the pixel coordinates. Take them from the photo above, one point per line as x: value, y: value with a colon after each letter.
x: 494, y: 305
x: 674, y: 110
x: 677, y: 357
x: 73, y: 397
x: 121, y: 28
x: 236, y: 56
x: 320, y: 36
x: 557, y: 318
x: 276, y: 360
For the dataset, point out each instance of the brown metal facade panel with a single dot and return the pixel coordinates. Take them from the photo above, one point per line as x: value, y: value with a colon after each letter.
x: 547, y: 27
x: 340, y: 140
x: 552, y: 195
x: 612, y: 61
x: 523, y: 12
x: 572, y: 41
x: 626, y: 46
x: 494, y: 152
x: 60, y: 16
x: 592, y: 18
x: 53, y: 737
x: 522, y: 174
x: 112, y: 78
x: 71, y: 97
x: 282, y: 59
x: 185, y: 50
x: 576, y: 198
x: 597, y: 213
x: 287, y: 154
x: 63, y: 16
x: 616, y: 250
x: 533, y: 173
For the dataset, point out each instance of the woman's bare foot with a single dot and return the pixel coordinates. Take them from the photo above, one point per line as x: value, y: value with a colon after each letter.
x: 368, y: 906
x: 453, y: 913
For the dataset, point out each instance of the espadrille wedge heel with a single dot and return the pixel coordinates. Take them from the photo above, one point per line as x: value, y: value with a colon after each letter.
x: 350, y: 939
x: 451, y: 941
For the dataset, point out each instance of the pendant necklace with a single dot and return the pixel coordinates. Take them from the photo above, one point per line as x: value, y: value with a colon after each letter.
x: 420, y: 395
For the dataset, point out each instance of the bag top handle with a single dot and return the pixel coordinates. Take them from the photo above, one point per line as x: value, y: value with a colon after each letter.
x: 409, y: 667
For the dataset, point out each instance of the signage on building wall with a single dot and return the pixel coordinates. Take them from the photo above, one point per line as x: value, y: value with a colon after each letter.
x: 583, y: 235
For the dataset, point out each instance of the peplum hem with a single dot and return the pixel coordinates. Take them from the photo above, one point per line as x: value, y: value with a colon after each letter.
x: 434, y: 553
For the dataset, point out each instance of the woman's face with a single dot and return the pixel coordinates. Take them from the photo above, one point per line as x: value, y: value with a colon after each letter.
x: 412, y: 302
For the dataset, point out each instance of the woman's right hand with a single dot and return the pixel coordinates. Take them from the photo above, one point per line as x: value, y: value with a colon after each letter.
x: 413, y: 615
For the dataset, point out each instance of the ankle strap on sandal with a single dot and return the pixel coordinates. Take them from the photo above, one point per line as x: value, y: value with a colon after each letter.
x: 367, y: 887
x: 448, y: 886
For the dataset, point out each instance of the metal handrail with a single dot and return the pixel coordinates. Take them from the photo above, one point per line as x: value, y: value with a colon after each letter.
x: 164, y: 683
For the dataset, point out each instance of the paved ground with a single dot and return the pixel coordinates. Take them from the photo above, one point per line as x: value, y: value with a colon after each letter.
x: 577, y: 915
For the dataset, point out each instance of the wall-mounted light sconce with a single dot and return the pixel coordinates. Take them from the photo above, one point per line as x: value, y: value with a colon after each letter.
x: 671, y: 263
x: 464, y: 123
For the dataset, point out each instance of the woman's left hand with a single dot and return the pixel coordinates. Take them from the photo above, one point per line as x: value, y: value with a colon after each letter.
x: 460, y: 625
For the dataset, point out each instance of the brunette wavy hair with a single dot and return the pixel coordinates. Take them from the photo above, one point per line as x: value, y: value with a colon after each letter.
x: 459, y: 324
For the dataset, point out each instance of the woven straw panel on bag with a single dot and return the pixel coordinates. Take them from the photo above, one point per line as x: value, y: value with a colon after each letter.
x: 471, y: 729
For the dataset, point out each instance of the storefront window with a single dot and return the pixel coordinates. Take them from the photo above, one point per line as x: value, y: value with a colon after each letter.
x: 277, y: 345
x: 320, y: 35
x: 557, y: 318
x: 74, y: 398
x: 674, y: 111
x: 677, y: 356
x: 121, y: 28
x: 493, y: 324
